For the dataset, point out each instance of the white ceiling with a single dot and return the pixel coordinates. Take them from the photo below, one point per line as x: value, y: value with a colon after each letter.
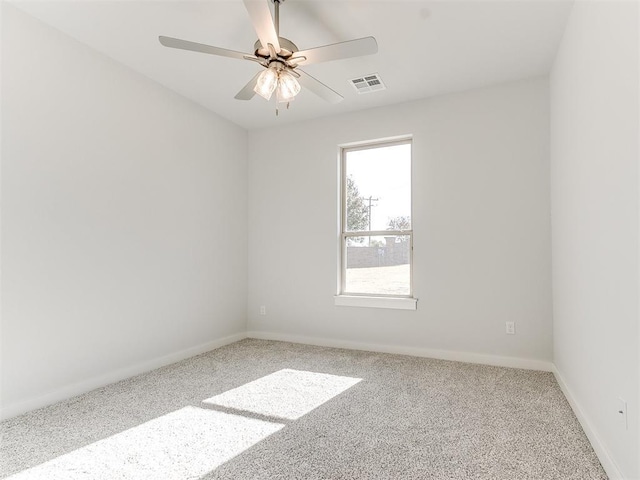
x: 426, y: 48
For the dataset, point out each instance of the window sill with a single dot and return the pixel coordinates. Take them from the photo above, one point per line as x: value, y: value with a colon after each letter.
x: 396, y: 303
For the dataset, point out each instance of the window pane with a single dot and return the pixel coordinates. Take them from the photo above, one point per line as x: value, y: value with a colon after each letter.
x: 378, y: 265
x: 378, y: 188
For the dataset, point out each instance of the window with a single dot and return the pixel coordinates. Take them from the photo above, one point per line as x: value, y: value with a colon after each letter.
x: 376, y: 239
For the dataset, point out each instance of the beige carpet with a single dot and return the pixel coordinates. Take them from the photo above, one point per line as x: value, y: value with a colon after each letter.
x: 273, y: 410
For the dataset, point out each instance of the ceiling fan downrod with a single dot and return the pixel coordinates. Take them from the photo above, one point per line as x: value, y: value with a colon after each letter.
x: 276, y: 23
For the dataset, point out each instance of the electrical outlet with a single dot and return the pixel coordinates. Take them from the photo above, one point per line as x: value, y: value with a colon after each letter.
x: 263, y: 310
x: 622, y: 413
x: 510, y: 328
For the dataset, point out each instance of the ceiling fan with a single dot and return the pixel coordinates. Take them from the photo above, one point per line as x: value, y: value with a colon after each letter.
x: 280, y: 57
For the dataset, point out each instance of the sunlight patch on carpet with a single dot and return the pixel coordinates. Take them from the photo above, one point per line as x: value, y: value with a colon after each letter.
x: 187, y: 443
x: 286, y: 394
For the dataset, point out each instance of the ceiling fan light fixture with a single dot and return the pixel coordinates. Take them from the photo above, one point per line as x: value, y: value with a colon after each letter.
x: 266, y: 83
x: 284, y: 97
x: 288, y: 87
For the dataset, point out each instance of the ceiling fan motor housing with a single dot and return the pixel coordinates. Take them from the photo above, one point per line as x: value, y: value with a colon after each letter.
x: 287, y: 49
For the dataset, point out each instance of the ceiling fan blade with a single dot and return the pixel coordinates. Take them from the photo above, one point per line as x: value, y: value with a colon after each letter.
x: 199, y: 47
x: 260, y: 16
x: 319, y: 88
x: 247, y: 92
x: 338, y: 51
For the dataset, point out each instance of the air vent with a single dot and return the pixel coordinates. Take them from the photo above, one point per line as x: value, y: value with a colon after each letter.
x: 368, y: 83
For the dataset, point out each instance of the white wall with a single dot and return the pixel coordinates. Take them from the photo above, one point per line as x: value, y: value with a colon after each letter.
x: 481, y: 227
x: 124, y: 220
x: 594, y: 200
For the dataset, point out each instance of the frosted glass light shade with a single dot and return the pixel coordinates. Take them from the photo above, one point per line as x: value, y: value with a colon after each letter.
x: 288, y: 87
x: 266, y: 84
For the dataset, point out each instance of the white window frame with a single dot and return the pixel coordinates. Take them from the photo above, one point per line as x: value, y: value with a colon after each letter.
x: 344, y: 298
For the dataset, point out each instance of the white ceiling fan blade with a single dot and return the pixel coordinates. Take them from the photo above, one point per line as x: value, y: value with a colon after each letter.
x: 260, y: 16
x: 247, y: 92
x: 319, y: 88
x: 338, y: 51
x: 199, y: 47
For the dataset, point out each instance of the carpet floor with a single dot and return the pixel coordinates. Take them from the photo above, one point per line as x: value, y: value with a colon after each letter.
x: 274, y: 410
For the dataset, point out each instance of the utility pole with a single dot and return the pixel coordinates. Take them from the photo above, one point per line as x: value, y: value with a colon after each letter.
x: 371, y: 199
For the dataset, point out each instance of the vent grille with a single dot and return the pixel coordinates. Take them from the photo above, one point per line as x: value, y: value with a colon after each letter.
x: 368, y: 83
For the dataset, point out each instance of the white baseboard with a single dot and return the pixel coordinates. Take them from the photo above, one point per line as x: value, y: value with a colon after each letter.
x: 78, y: 388
x: 610, y: 467
x: 481, y: 358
